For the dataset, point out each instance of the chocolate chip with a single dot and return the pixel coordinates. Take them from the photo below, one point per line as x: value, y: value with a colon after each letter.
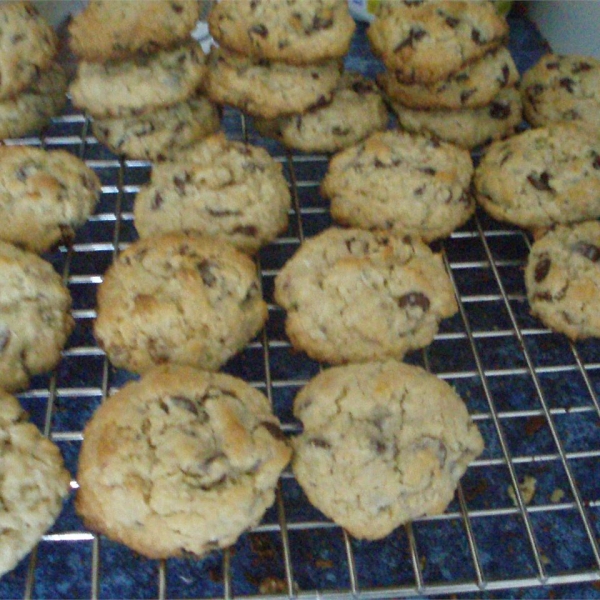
x: 500, y: 110
x: 320, y: 443
x: 177, y: 8
x: 337, y: 130
x: 362, y: 87
x: 540, y: 182
x: 249, y: 230
x: 466, y: 94
x: 254, y: 4
x: 427, y: 170
x: 414, y: 35
x: 205, y: 269
x: 419, y: 191
x: 535, y: 90
x: 215, y: 212
x: 274, y: 430
x: 179, y: 182
x: 15, y: 39
x: 582, y: 66
x: 543, y: 296
x: 452, y: 22
x: 414, y: 299
x: 259, y: 29
x: 505, y: 75
x: 476, y: 36
x: 378, y: 446
x: 589, y: 251
x: 552, y: 66
x: 318, y: 23
x: 596, y: 162
x: 567, y: 83
x: 185, y: 404
x: 542, y: 268
x: 157, y: 201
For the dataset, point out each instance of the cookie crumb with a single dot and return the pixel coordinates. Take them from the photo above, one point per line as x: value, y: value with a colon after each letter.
x: 527, y: 489
x: 557, y: 495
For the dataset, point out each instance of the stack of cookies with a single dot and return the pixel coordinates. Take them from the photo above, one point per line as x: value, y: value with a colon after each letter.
x: 140, y: 76
x: 282, y: 63
x: 32, y: 85
x: 449, y: 73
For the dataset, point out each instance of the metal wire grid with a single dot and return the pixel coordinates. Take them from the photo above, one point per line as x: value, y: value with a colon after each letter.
x: 533, y: 395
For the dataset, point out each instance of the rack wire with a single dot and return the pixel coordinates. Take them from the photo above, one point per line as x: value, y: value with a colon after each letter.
x: 533, y: 395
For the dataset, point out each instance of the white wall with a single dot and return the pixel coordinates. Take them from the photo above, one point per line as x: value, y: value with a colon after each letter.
x: 571, y: 26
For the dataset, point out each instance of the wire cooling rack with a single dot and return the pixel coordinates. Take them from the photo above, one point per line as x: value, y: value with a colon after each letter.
x: 533, y: 395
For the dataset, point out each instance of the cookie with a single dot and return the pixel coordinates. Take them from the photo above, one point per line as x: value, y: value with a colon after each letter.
x: 474, y: 86
x: 35, y: 317
x: 34, y: 483
x: 383, y: 443
x: 229, y: 190
x: 563, y: 88
x: 541, y: 177
x: 32, y: 109
x: 563, y: 279
x: 301, y: 32
x: 110, y: 30
x: 356, y: 110
x: 161, y: 133
x: 140, y: 84
x: 467, y: 128
x: 395, y: 180
x: 269, y: 89
x: 27, y: 46
x: 44, y: 196
x: 353, y: 295
x: 178, y: 298
x: 181, y: 462
x: 424, y: 42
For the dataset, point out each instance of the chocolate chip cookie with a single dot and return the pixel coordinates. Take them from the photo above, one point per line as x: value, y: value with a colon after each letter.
x: 34, y: 483
x: 178, y: 298
x: 225, y: 189
x: 563, y: 88
x: 395, y: 180
x: 356, y: 110
x: 162, y: 133
x: 269, y: 89
x: 139, y: 84
x: 383, y: 443
x: 32, y: 108
x: 563, y: 279
x: 300, y: 32
x: 45, y: 195
x: 353, y: 295
x: 427, y: 41
x: 35, y: 317
x: 474, y: 86
x: 467, y: 128
x: 27, y: 46
x: 542, y: 177
x: 113, y: 30
x: 180, y: 463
